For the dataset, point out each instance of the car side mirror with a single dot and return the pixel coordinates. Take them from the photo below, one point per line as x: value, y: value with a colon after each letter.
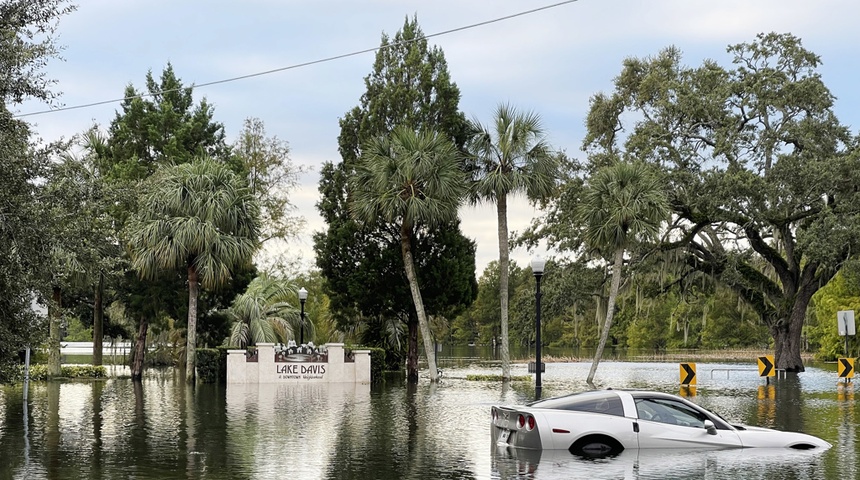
x: 710, y: 427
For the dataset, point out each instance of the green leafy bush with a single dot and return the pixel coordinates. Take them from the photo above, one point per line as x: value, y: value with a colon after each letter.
x: 212, y: 365
x: 40, y: 371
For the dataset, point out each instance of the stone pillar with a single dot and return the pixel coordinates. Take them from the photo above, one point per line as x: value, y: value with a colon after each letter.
x: 266, y: 362
x: 335, y: 371
x: 237, y: 370
x: 362, y: 366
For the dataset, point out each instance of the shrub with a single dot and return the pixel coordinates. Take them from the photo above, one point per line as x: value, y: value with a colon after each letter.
x: 212, y: 365
x: 40, y: 371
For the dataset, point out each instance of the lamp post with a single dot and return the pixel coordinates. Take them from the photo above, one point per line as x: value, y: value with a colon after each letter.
x: 303, y: 295
x: 538, y: 264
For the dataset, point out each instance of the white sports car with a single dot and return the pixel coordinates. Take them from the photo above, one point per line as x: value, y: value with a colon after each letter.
x: 600, y: 423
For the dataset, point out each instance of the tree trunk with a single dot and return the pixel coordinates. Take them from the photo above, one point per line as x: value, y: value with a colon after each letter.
x: 98, y: 321
x: 191, y: 335
x: 412, y: 350
x: 54, y: 332
x: 409, y: 265
x: 504, y: 261
x: 787, y: 335
x: 610, y: 311
x: 139, y: 350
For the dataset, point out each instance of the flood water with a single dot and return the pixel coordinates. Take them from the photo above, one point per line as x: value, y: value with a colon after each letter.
x: 161, y: 428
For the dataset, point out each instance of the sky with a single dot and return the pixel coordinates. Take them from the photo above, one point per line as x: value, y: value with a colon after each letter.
x: 544, y: 56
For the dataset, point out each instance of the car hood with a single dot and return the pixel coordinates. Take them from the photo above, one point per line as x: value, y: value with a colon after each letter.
x: 760, y: 437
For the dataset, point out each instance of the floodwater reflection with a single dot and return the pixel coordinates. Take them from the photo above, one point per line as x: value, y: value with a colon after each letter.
x: 752, y: 464
x: 163, y: 428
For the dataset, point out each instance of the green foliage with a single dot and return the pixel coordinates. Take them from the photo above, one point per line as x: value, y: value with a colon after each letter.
x: 510, y: 157
x: 623, y: 205
x: 760, y: 173
x: 409, y: 180
x: 378, y: 363
x: 840, y: 294
x: 198, y: 215
x: 40, y: 371
x: 77, y: 332
x: 199, y: 218
x: 267, y: 312
x: 212, y: 365
x: 27, y: 43
x: 497, y: 378
x: 272, y: 176
x: 161, y: 126
x: 363, y: 266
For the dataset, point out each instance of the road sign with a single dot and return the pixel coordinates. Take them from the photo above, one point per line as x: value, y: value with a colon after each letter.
x: 845, y: 367
x: 845, y: 322
x: 688, y: 373
x: 765, y: 366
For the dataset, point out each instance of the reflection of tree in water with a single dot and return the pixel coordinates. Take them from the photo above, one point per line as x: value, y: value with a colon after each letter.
x: 52, y: 431
x: 138, y: 445
x: 789, y: 404
x: 392, y: 441
x: 369, y: 446
x: 96, y: 416
x: 846, y: 430
x: 12, y: 442
x: 211, y: 427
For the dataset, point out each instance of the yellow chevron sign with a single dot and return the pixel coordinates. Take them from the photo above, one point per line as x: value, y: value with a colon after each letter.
x: 765, y: 366
x: 845, y: 367
x: 688, y: 374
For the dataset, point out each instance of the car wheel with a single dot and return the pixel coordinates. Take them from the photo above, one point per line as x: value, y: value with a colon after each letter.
x: 596, y: 446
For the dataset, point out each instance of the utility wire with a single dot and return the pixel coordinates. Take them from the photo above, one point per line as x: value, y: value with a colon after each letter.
x: 298, y: 65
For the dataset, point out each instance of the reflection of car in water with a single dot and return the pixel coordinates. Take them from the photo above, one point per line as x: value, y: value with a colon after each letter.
x: 747, y: 464
x: 606, y: 422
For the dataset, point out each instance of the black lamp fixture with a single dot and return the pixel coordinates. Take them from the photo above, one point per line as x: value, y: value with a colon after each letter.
x: 538, y: 265
x: 303, y: 295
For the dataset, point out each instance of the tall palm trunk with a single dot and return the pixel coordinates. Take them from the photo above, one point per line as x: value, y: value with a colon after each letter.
x: 98, y: 320
x: 504, y: 260
x: 406, y: 249
x: 610, y: 311
x: 191, y: 343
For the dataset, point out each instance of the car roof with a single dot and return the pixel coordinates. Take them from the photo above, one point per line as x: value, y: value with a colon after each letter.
x: 555, y: 402
x: 587, y: 395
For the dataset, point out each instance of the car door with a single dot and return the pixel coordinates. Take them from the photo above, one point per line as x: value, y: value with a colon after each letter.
x: 667, y: 423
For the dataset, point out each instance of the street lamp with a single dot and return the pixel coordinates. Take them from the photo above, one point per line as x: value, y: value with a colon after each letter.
x: 303, y: 295
x: 538, y: 264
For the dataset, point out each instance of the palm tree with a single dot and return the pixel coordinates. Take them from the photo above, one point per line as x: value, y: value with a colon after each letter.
x: 199, y: 217
x: 411, y: 179
x: 622, y: 205
x: 264, y: 313
x: 509, y: 157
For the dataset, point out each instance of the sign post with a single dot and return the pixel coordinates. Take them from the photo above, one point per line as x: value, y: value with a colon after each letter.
x: 845, y: 368
x: 766, y: 367
x: 688, y: 374
x: 845, y: 324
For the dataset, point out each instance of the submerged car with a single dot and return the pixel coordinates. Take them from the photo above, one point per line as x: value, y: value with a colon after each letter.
x: 601, y: 423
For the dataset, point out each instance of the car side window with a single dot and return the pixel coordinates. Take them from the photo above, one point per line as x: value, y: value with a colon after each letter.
x: 670, y: 412
x: 607, y: 405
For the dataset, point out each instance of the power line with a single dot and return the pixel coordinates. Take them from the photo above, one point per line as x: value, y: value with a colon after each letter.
x: 298, y: 65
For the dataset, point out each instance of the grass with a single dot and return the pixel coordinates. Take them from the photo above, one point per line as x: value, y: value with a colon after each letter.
x: 497, y: 378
